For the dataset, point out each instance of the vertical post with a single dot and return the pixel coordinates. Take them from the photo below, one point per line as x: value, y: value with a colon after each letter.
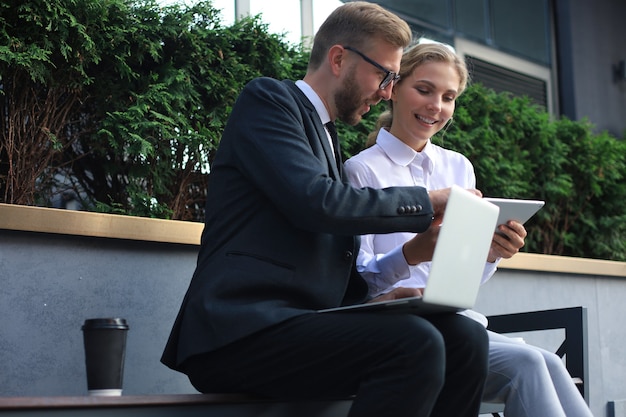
x: 242, y: 8
x: 306, y: 22
x: 577, y: 347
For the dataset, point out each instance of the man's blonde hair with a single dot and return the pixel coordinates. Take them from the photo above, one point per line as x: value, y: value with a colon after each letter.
x: 357, y: 24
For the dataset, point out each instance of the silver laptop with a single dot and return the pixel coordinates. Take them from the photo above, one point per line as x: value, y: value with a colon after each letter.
x: 458, y: 260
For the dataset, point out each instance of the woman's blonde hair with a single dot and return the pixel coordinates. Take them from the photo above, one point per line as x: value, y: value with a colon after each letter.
x: 415, y: 56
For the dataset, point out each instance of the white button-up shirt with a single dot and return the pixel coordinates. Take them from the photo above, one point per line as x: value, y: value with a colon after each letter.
x: 390, y: 162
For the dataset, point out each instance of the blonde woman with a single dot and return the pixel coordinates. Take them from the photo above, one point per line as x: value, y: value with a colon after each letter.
x: 530, y: 381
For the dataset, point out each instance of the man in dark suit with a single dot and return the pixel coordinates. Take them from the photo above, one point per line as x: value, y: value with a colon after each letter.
x: 281, y: 237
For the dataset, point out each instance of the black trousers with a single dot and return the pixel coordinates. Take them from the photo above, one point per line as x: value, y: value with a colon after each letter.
x: 395, y: 364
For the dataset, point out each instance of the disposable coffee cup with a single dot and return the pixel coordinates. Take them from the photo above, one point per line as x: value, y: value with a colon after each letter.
x: 105, y: 349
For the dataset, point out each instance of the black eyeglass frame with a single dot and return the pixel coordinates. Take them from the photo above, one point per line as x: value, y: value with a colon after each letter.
x: 390, y: 76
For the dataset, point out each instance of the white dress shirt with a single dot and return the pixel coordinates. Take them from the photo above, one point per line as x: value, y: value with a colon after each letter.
x: 319, y: 107
x: 390, y: 162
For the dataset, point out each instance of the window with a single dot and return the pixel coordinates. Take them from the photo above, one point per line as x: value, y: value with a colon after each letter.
x: 503, y: 72
x: 522, y: 28
x: 470, y: 19
x: 506, y: 42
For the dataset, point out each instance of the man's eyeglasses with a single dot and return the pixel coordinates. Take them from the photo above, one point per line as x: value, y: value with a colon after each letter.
x: 390, y: 76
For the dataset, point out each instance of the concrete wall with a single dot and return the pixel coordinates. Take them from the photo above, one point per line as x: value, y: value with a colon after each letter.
x: 50, y: 283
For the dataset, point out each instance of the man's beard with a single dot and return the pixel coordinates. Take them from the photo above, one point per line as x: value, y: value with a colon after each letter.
x: 348, y: 101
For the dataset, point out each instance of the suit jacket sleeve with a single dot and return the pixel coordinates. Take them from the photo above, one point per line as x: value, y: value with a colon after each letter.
x: 283, y: 149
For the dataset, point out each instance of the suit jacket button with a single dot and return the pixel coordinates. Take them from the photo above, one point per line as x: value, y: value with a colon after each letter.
x: 401, y: 210
x: 413, y: 209
x: 347, y: 255
x: 419, y: 208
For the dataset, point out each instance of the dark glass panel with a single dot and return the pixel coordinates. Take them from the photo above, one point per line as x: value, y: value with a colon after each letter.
x: 522, y: 28
x: 432, y: 11
x: 470, y: 18
x: 436, y: 35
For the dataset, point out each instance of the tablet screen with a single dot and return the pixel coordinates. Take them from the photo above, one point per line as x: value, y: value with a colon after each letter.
x: 515, y: 209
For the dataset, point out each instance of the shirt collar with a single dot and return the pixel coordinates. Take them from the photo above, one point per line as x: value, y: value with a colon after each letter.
x: 315, y: 100
x: 402, y: 154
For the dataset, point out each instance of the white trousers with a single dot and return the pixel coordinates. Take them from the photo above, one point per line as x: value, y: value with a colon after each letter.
x: 530, y: 381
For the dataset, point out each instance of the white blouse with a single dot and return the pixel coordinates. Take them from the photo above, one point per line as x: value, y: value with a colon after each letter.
x: 390, y: 162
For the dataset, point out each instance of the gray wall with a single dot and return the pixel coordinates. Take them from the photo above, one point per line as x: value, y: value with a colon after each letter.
x: 49, y: 284
x: 597, y: 39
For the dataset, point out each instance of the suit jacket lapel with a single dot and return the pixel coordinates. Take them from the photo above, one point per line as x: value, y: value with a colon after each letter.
x: 336, y: 167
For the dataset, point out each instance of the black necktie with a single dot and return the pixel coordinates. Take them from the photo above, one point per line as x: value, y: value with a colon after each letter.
x: 333, y: 135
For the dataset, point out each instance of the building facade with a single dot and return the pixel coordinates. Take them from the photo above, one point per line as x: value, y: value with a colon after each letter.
x: 567, y: 55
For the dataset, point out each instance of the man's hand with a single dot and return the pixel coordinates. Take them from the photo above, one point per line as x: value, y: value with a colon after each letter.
x: 421, y: 247
x: 439, y: 199
x: 400, y: 292
x: 507, y: 241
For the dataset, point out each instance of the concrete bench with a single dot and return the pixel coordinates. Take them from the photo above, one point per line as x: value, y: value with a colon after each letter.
x: 177, y: 405
x: 574, y: 348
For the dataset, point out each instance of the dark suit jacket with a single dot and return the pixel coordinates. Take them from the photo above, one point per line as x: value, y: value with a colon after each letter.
x: 279, y: 237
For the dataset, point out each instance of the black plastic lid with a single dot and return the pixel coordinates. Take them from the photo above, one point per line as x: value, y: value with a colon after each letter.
x: 105, y: 323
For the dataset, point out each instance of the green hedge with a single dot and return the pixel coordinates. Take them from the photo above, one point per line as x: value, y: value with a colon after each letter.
x: 518, y: 151
x: 126, y: 100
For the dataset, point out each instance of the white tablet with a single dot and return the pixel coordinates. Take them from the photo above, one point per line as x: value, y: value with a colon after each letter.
x: 515, y: 209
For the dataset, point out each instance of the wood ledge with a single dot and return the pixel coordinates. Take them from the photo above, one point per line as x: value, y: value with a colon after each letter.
x: 114, y: 226
x: 82, y: 223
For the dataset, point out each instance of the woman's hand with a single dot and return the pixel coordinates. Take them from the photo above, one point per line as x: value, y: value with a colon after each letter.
x: 507, y: 241
x: 421, y: 247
